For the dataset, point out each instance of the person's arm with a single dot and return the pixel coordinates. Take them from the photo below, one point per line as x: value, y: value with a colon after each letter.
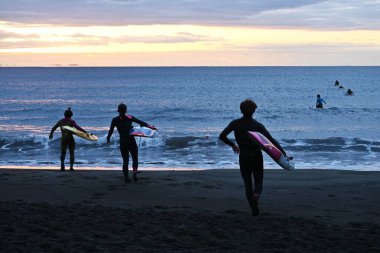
x: 78, y: 127
x: 53, y: 129
x: 110, y: 132
x: 142, y: 123
x: 223, y: 137
x: 324, y: 101
x: 265, y: 132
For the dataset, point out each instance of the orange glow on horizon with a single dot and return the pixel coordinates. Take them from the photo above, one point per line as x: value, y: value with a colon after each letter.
x: 211, y: 44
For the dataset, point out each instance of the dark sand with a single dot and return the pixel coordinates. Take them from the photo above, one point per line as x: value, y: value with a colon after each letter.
x: 188, y: 211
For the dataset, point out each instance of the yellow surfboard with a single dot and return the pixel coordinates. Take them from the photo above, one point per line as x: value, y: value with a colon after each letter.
x: 86, y: 136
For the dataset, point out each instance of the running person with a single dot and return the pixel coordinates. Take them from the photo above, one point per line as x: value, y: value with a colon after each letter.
x: 320, y: 101
x: 128, y: 144
x: 250, y: 155
x: 67, y: 140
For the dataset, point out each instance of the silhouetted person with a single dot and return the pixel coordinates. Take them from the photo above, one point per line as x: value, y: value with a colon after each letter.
x: 349, y: 92
x: 250, y: 155
x: 128, y: 144
x: 67, y: 140
x: 320, y: 102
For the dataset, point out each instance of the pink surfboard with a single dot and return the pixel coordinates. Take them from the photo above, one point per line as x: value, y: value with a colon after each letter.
x: 271, y: 150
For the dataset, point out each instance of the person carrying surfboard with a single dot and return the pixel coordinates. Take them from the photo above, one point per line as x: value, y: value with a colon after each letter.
x: 128, y: 144
x: 67, y: 140
x: 250, y: 155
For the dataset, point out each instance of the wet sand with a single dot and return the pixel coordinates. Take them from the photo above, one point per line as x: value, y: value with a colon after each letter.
x: 188, y: 211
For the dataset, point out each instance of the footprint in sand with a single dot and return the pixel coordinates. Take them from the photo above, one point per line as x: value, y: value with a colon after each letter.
x: 231, y: 211
x: 191, y: 183
x: 316, y: 189
x: 112, y: 188
x: 98, y: 195
x: 208, y: 186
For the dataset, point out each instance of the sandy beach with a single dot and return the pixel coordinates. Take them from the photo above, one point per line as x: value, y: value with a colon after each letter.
x: 188, y: 211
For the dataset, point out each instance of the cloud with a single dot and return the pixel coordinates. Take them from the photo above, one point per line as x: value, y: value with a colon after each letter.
x: 329, y: 15
x: 12, y: 40
x: 181, y: 37
x: 316, y: 14
x: 4, y: 35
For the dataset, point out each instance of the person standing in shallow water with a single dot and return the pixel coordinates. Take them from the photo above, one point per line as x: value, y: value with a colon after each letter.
x: 250, y: 155
x: 128, y: 144
x: 67, y: 140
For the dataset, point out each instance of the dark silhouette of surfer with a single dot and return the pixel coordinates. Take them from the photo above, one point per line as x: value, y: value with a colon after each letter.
x: 250, y: 155
x: 349, y: 92
x: 320, y: 101
x: 67, y: 140
x: 336, y: 83
x: 128, y: 144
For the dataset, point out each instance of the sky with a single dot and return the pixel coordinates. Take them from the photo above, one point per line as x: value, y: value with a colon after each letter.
x: 189, y: 33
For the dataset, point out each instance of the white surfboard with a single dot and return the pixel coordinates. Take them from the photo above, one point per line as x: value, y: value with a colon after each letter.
x: 86, y: 136
x: 271, y: 150
x: 143, y: 132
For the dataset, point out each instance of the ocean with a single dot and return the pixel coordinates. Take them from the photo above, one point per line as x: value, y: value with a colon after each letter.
x: 191, y: 106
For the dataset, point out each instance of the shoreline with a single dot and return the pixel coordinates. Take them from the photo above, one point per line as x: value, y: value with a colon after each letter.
x: 182, y: 211
x: 177, y: 168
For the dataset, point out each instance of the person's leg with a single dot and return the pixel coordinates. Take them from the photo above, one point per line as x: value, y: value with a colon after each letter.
x: 245, y: 161
x: 133, y: 149
x: 258, y: 174
x: 71, y: 145
x: 63, y: 153
x: 124, y: 150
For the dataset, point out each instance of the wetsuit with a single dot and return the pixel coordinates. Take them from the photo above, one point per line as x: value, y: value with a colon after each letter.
x: 123, y: 123
x: 67, y: 139
x: 250, y: 157
x: 319, y: 103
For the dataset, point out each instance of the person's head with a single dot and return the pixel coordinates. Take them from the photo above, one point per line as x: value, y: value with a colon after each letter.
x: 318, y: 96
x: 248, y: 108
x: 122, y: 108
x: 68, y: 113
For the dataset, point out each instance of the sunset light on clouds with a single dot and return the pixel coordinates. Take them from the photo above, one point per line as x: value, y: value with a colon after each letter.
x: 189, y: 33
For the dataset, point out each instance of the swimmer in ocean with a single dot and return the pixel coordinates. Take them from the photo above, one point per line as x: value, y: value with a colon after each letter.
x: 320, y: 102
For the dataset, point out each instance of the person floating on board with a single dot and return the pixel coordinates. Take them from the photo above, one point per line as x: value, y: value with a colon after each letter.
x: 349, y: 92
x: 67, y: 140
x: 250, y: 155
x: 128, y: 144
x: 320, y: 102
x: 336, y: 83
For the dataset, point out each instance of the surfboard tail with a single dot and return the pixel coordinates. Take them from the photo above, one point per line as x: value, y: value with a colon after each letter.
x: 285, y: 163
